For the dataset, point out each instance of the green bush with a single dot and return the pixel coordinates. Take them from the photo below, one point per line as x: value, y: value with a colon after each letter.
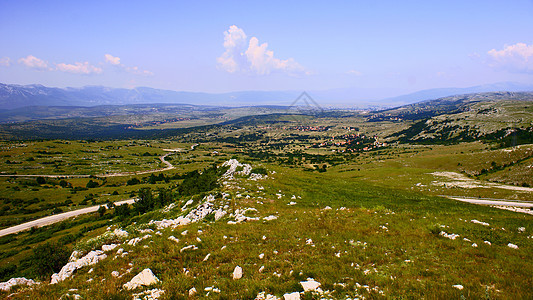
x: 49, y: 258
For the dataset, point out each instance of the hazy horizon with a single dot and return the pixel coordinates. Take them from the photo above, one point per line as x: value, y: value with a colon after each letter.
x: 229, y: 47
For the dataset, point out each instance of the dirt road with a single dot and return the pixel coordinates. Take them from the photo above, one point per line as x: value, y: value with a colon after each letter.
x: 55, y: 218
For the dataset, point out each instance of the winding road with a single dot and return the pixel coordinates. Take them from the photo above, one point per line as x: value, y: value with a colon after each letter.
x: 63, y: 216
x: 56, y: 218
x: 169, y: 166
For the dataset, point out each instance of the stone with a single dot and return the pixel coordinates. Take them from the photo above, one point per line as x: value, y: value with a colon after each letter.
x: 192, y: 292
x: 173, y: 238
x: 513, y: 246
x: 270, y: 218
x: 91, y: 258
x: 6, y: 286
x: 310, y: 285
x: 106, y: 248
x: 237, y: 273
x: 152, y: 294
x: 144, y: 278
x: 458, y: 286
x: 291, y: 296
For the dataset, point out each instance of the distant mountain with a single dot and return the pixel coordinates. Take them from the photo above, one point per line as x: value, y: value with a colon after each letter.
x: 445, y: 92
x: 14, y: 96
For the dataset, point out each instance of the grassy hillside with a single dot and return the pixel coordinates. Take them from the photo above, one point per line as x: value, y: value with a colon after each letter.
x: 374, y: 242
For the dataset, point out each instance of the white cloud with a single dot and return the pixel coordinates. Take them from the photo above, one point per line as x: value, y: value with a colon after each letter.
x: 243, y: 56
x: 354, y: 72
x: 262, y: 61
x: 5, y: 61
x: 33, y: 62
x: 79, y: 68
x: 515, y: 58
x: 112, y: 59
x: 234, y: 43
x: 137, y: 71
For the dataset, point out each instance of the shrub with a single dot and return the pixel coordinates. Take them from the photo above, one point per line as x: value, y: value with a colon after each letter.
x: 260, y: 170
x: 49, y: 258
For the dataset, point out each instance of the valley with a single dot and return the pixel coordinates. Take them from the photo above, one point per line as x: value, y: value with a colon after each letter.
x: 359, y: 202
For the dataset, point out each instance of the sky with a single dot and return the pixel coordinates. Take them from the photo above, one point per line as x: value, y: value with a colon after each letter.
x: 223, y: 46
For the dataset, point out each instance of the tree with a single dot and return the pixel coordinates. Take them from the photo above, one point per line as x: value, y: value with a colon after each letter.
x: 146, y: 201
x: 91, y: 184
x: 63, y: 183
x: 41, y: 180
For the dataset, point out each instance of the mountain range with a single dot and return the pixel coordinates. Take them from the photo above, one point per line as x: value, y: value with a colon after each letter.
x: 14, y: 96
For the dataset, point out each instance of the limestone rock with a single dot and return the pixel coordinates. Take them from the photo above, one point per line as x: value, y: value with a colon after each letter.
x: 145, y: 278
x: 310, y: 285
x: 6, y: 286
x: 237, y: 273
x: 90, y: 259
x: 292, y: 296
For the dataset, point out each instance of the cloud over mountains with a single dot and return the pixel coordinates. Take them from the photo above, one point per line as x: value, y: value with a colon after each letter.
x: 250, y: 56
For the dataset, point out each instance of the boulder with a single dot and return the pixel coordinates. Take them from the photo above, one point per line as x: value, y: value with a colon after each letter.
x: 310, y: 285
x: 145, y: 278
x: 6, y: 286
x: 237, y: 273
x: 90, y: 259
x: 292, y: 296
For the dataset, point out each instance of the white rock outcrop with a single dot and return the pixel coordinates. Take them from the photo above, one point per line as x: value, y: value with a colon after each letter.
x: 91, y: 258
x: 6, y: 286
x: 144, y: 278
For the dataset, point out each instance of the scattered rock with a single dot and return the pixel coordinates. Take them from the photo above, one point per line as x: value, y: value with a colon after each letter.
x: 207, y: 257
x: 106, y: 248
x: 192, y: 292
x: 292, y: 296
x: 270, y: 218
x: 90, y: 259
x: 237, y: 273
x: 479, y: 222
x: 152, y: 294
x: 310, y: 285
x: 261, y: 255
x: 458, y: 286
x: 510, y: 245
x: 451, y: 236
x: 120, y: 233
x: 115, y: 273
x: 145, y: 278
x: 173, y: 238
x: 6, y: 286
x: 190, y: 247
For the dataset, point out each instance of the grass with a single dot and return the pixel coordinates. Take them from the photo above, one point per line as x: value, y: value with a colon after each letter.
x: 405, y: 260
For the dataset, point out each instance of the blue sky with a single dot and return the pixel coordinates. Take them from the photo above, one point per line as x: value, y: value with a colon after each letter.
x: 220, y: 46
